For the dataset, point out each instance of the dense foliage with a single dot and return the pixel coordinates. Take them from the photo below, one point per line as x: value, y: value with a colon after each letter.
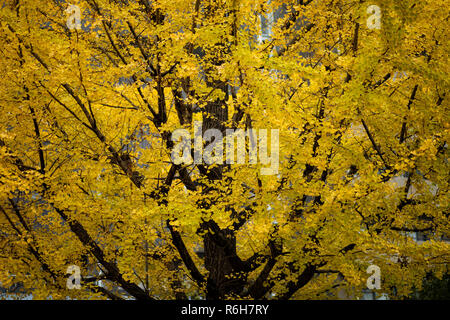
x: 87, y: 178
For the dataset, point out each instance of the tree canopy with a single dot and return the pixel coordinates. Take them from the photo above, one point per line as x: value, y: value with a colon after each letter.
x: 356, y: 89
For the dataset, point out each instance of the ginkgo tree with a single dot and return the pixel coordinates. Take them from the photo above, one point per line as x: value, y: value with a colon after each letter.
x: 92, y: 91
